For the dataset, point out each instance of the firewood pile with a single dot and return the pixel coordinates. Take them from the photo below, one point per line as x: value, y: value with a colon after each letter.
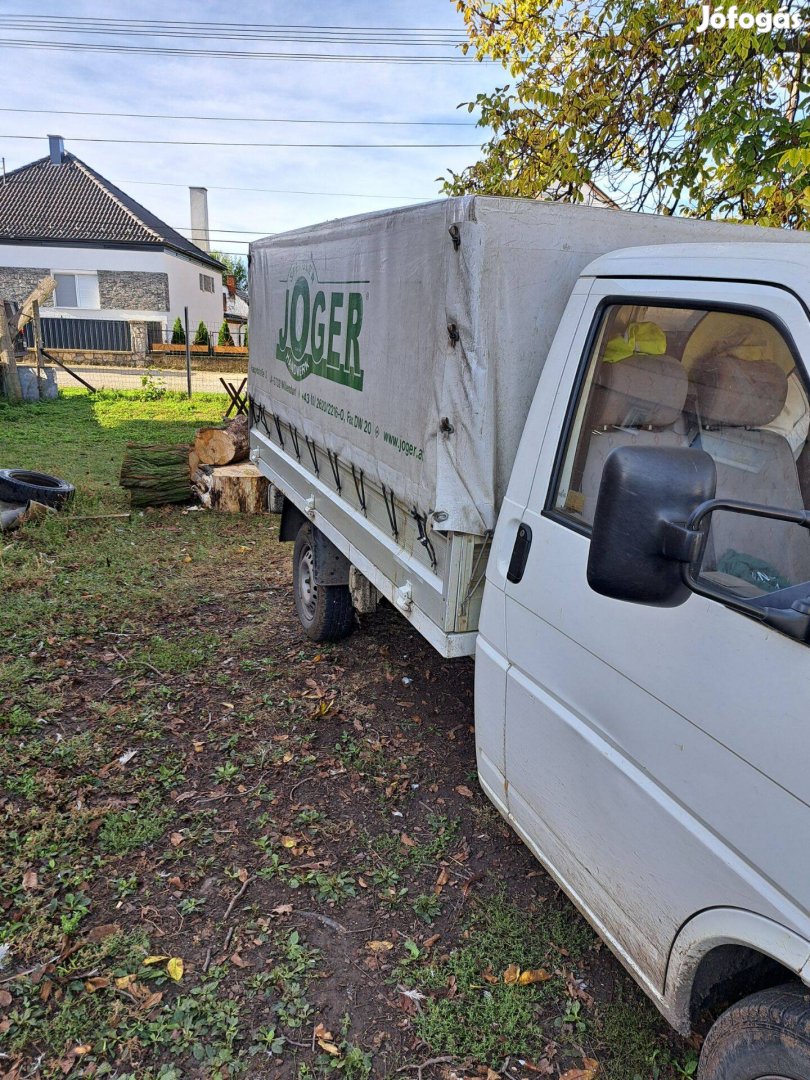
x: 221, y: 476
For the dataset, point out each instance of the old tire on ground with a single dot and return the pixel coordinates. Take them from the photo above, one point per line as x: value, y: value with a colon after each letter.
x: 325, y: 611
x: 763, y: 1037
x: 23, y: 485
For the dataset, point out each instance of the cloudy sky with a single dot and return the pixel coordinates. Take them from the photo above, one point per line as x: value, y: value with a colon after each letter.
x: 347, y: 180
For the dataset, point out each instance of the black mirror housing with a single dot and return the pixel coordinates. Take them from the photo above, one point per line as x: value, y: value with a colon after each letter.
x: 645, y: 490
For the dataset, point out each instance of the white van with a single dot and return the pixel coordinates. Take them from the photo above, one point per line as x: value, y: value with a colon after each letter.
x: 585, y: 461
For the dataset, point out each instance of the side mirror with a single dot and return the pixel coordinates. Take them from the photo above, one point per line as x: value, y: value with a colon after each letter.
x: 639, y: 541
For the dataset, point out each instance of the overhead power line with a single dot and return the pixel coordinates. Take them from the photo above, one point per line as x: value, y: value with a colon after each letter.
x: 241, y: 54
x: 245, y: 119
x: 202, y: 142
x: 254, y: 31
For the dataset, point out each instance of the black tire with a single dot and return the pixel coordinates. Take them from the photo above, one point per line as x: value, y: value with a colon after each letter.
x: 23, y: 485
x: 325, y: 611
x: 763, y: 1037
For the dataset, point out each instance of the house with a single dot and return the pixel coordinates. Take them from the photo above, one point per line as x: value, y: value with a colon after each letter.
x: 112, y: 259
x: 236, y: 309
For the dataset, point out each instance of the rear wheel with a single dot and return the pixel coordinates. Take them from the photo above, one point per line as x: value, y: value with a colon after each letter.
x: 763, y: 1037
x: 325, y: 611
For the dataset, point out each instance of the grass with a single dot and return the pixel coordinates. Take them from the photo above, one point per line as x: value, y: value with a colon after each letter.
x: 184, y: 777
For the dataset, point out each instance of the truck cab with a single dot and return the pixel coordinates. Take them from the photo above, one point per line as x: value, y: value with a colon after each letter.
x: 641, y: 692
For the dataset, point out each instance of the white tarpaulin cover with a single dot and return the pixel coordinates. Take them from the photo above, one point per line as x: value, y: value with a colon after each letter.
x: 352, y: 328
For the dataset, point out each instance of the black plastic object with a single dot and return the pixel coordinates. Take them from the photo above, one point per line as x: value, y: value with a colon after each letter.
x: 638, y: 545
x: 23, y: 485
x: 520, y: 553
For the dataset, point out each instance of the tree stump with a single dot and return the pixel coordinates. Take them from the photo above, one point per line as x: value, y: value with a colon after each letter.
x: 232, y: 489
x: 223, y: 446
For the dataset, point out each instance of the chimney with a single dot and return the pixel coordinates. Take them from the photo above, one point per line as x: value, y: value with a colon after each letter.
x: 56, y: 148
x: 230, y: 281
x: 199, y: 217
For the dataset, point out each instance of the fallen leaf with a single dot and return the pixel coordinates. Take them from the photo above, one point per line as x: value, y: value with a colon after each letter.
x: 30, y: 880
x: 98, y: 982
x: 154, y: 960
x: 406, y: 840
x: 102, y: 932
x: 462, y: 789
x: 488, y: 975
x: 124, y: 982
x: 535, y: 975
x: 5, y: 999
x: 237, y: 959
x: 429, y: 942
x: 152, y: 1000
x: 175, y: 882
x: 174, y: 968
x: 243, y: 875
x: 441, y: 881
x: 289, y: 842
x: 512, y: 974
x: 198, y: 746
x: 589, y: 1071
x: 282, y: 909
x: 176, y: 839
x: 379, y: 946
x: 80, y: 1051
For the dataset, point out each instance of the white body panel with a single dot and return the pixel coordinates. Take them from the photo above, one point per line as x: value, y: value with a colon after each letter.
x: 655, y: 759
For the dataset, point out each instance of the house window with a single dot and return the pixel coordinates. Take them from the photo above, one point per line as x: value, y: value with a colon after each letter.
x: 77, y: 290
x: 206, y: 283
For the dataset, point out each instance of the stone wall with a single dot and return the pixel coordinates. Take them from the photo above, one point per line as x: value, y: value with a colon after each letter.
x: 16, y: 282
x: 133, y: 290
x: 124, y: 290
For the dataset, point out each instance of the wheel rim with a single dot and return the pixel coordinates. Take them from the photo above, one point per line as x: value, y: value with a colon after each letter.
x: 307, y: 588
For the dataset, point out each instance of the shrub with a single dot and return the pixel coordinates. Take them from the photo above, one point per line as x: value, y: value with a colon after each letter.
x: 201, y: 337
x: 225, y: 337
x: 178, y: 333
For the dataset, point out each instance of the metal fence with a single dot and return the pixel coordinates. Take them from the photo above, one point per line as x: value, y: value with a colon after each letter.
x: 103, y: 335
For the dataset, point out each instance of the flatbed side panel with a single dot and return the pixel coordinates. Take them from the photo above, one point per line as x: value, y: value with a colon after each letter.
x: 386, y: 565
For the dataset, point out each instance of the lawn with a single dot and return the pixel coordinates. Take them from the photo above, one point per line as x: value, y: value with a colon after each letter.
x: 229, y: 852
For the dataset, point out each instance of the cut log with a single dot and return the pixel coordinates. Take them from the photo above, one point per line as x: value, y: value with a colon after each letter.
x: 223, y: 446
x: 232, y: 489
x: 156, y: 475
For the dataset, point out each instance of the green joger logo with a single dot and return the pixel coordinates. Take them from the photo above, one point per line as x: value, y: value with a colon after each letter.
x: 321, y: 331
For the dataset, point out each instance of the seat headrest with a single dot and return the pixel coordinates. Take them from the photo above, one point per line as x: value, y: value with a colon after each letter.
x: 730, y: 392
x: 639, y: 391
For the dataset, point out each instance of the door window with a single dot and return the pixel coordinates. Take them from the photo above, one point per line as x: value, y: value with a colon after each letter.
x: 722, y: 381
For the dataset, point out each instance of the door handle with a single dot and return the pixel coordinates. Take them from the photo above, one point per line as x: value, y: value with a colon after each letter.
x: 520, y: 553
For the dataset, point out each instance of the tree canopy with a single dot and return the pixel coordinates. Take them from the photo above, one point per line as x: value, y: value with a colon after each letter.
x: 632, y: 96
x: 235, y: 265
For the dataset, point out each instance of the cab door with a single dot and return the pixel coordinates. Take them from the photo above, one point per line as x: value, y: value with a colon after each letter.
x: 656, y: 758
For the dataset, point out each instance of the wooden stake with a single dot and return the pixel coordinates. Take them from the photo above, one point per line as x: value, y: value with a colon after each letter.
x: 8, y: 362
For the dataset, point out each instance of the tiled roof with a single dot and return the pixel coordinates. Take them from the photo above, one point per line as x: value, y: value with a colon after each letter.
x: 72, y: 202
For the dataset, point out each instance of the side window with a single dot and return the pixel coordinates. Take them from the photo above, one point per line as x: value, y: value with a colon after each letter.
x: 722, y: 381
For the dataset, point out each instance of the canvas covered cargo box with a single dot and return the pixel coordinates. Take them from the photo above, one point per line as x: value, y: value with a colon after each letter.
x: 393, y: 361
x: 410, y: 342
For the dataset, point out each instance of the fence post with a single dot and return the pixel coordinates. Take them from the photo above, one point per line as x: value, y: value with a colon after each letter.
x: 8, y: 363
x: 139, y: 343
x: 188, y: 353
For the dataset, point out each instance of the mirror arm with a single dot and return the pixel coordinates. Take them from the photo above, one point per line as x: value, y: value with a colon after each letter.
x: 795, y: 517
